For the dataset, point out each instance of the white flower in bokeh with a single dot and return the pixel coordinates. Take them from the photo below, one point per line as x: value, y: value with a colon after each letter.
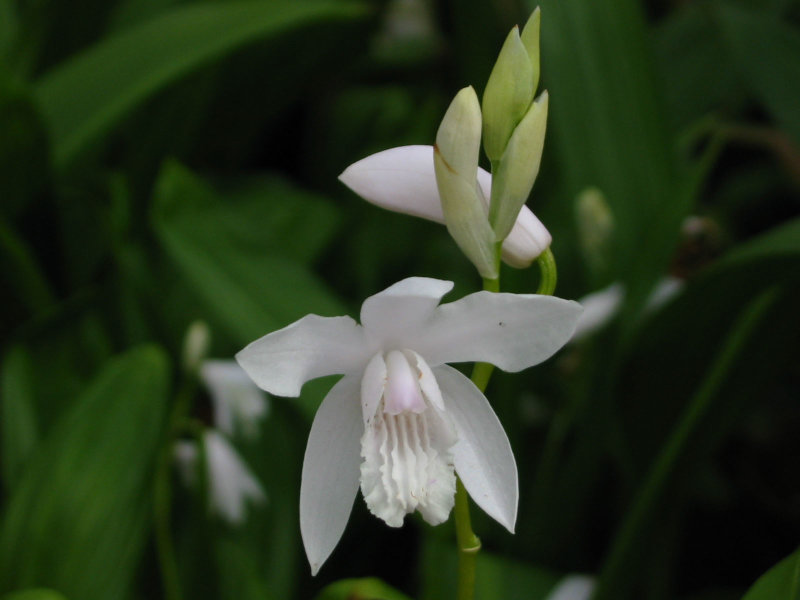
x: 231, y: 484
x: 403, y: 180
x: 600, y: 307
x: 239, y: 406
x: 401, y: 423
x: 573, y: 587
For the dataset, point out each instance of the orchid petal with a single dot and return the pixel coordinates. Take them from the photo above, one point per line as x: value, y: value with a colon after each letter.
x: 372, y: 384
x: 282, y: 361
x: 511, y: 331
x: 331, y: 471
x: 527, y: 240
x: 403, y: 180
x: 482, y: 455
x: 427, y: 381
x: 395, y: 315
x: 398, y: 179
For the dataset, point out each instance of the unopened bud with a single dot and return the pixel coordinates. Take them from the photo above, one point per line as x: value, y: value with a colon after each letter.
x: 507, y: 96
x: 512, y: 183
x: 455, y: 161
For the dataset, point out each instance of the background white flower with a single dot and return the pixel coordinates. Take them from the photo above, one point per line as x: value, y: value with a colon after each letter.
x: 573, y: 587
x: 238, y: 404
x: 412, y: 418
x: 231, y: 484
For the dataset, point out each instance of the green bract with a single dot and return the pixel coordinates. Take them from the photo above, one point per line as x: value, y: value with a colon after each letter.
x: 514, y: 125
x: 518, y: 168
x: 455, y: 160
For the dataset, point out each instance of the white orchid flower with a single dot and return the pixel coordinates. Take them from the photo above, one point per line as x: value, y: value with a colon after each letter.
x: 403, y: 180
x: 238, y: 404
x: 231, y: 484
x: 401, y: 423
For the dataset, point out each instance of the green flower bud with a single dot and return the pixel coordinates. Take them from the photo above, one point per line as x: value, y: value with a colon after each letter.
x: 507, y: 96
x: 455, y: 160
x: 517, y: 171
x: 530, y: 39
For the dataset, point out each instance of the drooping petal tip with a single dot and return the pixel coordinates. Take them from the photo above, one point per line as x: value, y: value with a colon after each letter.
x: 330, y: 478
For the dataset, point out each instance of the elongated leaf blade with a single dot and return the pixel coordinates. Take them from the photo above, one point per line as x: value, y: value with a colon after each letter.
x: 768, y: 55
x: 86, y: 96
x: 250, y: 287
x: 781, y: 582
x: 78, y: 521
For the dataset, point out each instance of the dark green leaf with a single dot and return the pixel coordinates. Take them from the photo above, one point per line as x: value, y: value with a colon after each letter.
x: 37, y: 594
x: 20, y: 429
x: 86, y: 96
x: 698, y: 71
x: 368, y: 588
x: 497, y: 578
x: 24, y: 159
x: 768, y: 55
x: 781, y: 582
x: 77, y: 521
x: 237, y: 268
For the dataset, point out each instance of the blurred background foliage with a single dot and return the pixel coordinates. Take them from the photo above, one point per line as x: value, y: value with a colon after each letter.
x: 168, y: 161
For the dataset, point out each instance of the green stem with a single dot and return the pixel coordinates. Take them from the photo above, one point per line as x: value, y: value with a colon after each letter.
x: 549, y: 273
x: 162, y: 494
x: 616, y: 573
x: 468, y: 544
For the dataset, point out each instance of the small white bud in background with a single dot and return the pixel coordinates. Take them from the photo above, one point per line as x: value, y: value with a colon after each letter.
x: 196, y: 344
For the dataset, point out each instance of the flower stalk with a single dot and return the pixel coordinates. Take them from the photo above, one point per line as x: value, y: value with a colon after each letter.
x: 468, y: 544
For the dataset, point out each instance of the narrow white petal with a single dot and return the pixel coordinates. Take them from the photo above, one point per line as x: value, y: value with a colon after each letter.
x: 372, y: 384
x: 403, y: 180
x: 393, y: 316
x: 511, y: 331
x: 399, y: 179
x: 483, y: 457
x: 331, y: 471
x: 282, y: 361
x: 427, y: 380
x: 526, y: 241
